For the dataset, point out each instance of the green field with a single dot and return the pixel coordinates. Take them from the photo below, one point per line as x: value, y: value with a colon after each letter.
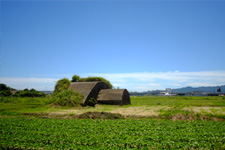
x: 142, y: 106
x: 28, y: 133
x: 151, y: 122
x: 178, y: 100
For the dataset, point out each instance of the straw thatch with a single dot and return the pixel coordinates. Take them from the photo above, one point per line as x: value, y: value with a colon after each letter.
x: 114, y: 97
x: 88, y: 89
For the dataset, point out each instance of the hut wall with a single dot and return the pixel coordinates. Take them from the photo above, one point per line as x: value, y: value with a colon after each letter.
x: 126, y: 98
x: 114, y: 97
x: 88, y: 89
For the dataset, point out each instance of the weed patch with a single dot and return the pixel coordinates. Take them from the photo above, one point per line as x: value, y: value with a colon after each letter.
x: 100, y: 115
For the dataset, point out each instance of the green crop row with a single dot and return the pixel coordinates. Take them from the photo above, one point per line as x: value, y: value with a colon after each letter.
x: 37, y: 133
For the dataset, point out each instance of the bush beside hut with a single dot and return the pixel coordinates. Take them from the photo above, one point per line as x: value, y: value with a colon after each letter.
x: 61, y: 85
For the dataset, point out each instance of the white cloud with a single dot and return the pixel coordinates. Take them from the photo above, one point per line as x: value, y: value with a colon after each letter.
x: 153, y: 84
x: 138, y: 81
x: 197, y: 84
x: 37, y: 83
x: 161, y: 80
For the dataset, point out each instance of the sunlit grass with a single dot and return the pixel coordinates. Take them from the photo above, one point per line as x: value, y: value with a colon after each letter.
x: 177, y: 101
x: 140, y: 106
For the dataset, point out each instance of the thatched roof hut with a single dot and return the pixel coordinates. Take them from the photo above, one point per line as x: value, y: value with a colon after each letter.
x: 88, y: 89
x: 114, y: 97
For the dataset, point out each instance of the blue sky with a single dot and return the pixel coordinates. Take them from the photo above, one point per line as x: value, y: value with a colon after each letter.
x: 138, y: 45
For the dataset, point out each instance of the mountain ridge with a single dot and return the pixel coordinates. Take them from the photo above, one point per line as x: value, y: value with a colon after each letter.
x: 205, y: 89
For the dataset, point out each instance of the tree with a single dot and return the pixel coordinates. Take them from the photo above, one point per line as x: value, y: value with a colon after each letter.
x: 4, y: 90
x: 75, y: 78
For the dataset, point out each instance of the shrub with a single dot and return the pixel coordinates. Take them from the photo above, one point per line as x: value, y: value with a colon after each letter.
x: 75, y: 78
x: 4, y: 90
x: 88, y: 79
x: 82, y: 80
x: 3, y: 87
x: 61, y: 85
x: 29, y: 93
x: 5, y: 93
x: 92, y: 101
x: 68, y: 98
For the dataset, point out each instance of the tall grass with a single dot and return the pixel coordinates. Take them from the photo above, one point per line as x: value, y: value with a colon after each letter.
x: 14, y: 105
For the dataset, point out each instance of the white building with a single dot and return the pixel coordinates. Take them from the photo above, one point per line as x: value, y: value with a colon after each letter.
x: 168, y: 90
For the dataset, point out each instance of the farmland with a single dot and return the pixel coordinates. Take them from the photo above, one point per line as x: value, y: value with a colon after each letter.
x: 113, y: 134
x: 151, y: 122
x: 142, y: 106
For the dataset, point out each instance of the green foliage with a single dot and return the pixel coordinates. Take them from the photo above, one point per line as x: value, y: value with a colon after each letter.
x: 61, y: 85
x: 92, y: 101
x: 68, y: 98
x: 91, y: 79
x: 75, y: 78
x: 3, y: 87
x: 64, y: 97
x: 99, y: 79
x: 29, y: 93
x: 5, y: 93
x: 4, y: 90
x: 37, y: 133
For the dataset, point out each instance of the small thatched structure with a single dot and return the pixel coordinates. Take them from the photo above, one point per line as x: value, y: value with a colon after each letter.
x: 88, y: 89
x: 114, y: 97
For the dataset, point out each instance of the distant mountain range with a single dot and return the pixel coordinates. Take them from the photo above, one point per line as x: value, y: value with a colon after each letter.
x: 208, y: 89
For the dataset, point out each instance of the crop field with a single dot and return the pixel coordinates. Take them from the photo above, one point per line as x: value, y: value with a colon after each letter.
x: 151, y: 122
x: 37, y: 133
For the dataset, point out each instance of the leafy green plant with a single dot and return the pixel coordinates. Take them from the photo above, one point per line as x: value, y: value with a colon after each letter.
x: 92, y: 101
x: 3, y: 87
x: 5, y: 93
x: 75, y: 78
x: 37, y: 133
x: 29, y: 93
x: 61, y: 85
x: 88, y: 79
x: 4, y: 90
x: 68, y: 98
